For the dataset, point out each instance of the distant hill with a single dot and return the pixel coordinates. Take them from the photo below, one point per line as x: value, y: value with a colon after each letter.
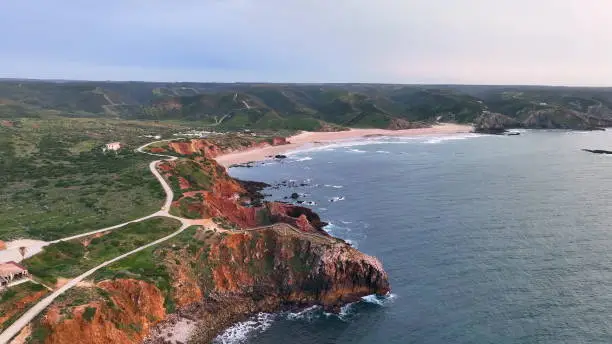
x: 310, y: 106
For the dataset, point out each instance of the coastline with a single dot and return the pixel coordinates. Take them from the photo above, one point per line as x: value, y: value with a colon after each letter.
x: 321, y: 138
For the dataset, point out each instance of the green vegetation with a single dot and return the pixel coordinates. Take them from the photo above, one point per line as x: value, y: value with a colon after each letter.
x: 148, y: 265
x: 56, y: 180
x: 89, y: 313
x: 193, y: 173
x: 189, y: 207
x: 71, y: 258
x: 291, y: 106
x: 17, y: 299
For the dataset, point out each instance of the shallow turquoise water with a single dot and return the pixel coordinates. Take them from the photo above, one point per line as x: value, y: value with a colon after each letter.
x: 486, y: 239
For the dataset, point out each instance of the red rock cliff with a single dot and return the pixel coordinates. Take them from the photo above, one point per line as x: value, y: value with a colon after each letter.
x: 274, y: 269
x: 225, y: 197
x: 211, y: 149
x: 216, y: 281
x: 126, y: 317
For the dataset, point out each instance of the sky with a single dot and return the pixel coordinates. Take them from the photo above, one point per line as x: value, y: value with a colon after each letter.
x: 544, y: 42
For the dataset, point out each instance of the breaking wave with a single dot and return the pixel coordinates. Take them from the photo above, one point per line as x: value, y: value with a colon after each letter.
x: 307, y: 314
x: 241, y: 332
x: 430, y: 139
x: 379, y: 300
x: 440, y: 139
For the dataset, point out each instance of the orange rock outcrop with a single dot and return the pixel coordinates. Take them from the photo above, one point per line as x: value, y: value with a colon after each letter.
x: 136, y: 306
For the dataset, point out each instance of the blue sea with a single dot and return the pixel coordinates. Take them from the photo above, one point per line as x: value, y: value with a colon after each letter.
x: 486, y: 239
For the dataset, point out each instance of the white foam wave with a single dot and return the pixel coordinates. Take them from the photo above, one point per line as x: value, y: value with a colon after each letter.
x: 357, y: 150
x: 379, y: 300
x: 334, y: 186
x: 306, y: 158
x: 382, y: 152
x: 383, y: 140
x: 346, y: 311
x: 241, y: 332
x: 307, y: 314
x: 440, y: 139
x: 352, y: 243
x: 337, y: 199
x: 330, y: 227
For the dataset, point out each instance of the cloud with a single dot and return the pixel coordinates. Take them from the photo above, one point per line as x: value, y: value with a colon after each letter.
x: 399, y: 41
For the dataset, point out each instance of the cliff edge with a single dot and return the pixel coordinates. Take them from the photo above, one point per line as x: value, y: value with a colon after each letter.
x: 260, y: 257
x: 192, y: 287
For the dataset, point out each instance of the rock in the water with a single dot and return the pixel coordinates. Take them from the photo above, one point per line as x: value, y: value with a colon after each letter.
x: 597, y: 151
x: 295, y: 195
x: 280, y: 156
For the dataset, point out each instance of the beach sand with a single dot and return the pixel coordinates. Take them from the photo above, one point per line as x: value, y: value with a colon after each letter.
x: 321, y: 138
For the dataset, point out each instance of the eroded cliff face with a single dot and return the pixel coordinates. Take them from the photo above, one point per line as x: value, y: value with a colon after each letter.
x: 211, y: 149
x: 124, y: 313
x: 273, y: 269
x: 216, y: 280
x: 220, y: 196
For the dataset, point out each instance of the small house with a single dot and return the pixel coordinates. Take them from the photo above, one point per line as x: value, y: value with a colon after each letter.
x: 11, y: 271
x: 113, y: 146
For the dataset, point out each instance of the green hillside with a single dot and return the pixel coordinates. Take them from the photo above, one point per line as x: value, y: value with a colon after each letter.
x: 307, y: 106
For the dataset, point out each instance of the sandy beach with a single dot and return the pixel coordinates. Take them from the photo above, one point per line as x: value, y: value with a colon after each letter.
x: 321, y: 138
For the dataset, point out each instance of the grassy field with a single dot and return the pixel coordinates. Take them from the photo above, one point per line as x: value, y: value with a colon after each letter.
x: 71, y: 258
x: 16, y: 300
x: 55, y: 180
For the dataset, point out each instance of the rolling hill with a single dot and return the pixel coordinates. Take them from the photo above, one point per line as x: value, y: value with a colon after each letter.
x: 310, y: 106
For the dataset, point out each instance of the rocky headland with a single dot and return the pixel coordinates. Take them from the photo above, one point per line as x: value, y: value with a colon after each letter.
x: 262, y: 257
x: 497, y: 123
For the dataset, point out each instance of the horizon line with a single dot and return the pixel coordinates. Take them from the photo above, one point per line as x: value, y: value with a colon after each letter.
x: 55, y: 80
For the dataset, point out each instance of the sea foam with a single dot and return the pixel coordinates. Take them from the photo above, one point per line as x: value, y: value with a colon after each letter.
x: 241, y: 332
x: 440, y: 139
x: 430, y: 139
x: 308, y: 314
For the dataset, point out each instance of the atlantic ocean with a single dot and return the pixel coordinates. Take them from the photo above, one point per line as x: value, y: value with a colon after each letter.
x: 486, y: 239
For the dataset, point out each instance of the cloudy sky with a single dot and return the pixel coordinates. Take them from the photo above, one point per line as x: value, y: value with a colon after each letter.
x: 561, y: 42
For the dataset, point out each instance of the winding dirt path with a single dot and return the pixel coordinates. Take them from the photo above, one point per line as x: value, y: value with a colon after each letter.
x: 35, y: 310
x: 25, y: 319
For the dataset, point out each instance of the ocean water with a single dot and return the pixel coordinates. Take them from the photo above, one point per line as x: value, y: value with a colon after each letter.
x: 486, y: 239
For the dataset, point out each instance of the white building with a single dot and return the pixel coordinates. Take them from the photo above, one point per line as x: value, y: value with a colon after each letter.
x: 10, y: 272
x: 113, y: 146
